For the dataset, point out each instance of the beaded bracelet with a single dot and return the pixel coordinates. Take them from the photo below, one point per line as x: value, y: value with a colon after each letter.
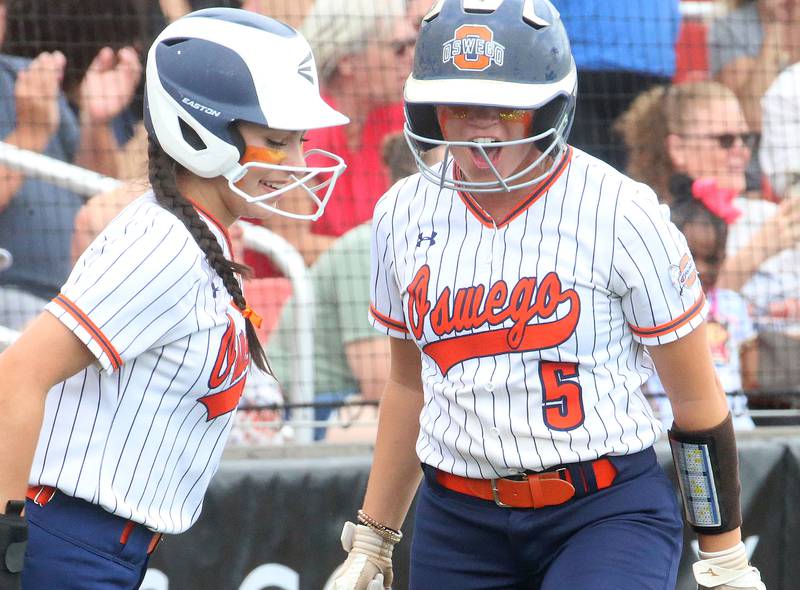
x: 390, y: 534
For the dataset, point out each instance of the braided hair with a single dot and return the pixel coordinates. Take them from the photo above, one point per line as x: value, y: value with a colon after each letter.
x: 162, y: 170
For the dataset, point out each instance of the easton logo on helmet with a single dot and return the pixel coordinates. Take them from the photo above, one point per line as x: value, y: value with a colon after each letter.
x: 199, y: 107
x: 473, y: 48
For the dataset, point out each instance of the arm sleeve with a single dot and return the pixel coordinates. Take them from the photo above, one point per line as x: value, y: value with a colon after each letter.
x: 386, y: 302
x: 127, y: 293
x: 653, y: 272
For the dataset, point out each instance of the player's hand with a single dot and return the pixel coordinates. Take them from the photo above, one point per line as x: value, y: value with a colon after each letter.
x: 36, y: 92
x: 369, y: 563
x: 735, y: 574
x: 13, y: 539
x: 109, y: 84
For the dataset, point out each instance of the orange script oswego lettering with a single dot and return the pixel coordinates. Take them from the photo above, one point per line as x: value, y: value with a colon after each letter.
x: 476, y: 306
x: 230, y: 367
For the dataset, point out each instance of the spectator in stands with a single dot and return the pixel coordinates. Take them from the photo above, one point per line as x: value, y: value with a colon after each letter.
x: 702, y: 211
x: 748, y: 48
x: 364, y: 50
x: 36, y: 217
x: 751, y: 45
x: 621, y: 49
x: 769, y: 273
x: 769, y: 276
x: 696, y: 129
x: 349, y: 356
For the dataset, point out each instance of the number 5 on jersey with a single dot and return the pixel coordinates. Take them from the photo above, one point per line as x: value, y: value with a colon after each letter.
x: 562, y: 402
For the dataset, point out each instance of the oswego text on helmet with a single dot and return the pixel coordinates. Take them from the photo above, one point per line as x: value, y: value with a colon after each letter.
x: 199, y: 107
x: 473, y: 48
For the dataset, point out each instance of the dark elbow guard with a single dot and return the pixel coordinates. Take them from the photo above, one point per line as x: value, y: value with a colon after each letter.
x: 707, y: 466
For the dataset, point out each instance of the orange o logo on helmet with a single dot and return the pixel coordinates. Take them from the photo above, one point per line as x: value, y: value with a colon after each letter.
x: 473, y: 48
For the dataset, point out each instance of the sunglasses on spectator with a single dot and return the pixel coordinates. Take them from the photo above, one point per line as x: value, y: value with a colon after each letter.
x: 727, y: 140
x: 400, y: 46
x: 455, y: 111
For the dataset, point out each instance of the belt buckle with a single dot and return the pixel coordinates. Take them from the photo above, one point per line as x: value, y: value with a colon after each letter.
x: 562, y: 474
x: 495, y: 495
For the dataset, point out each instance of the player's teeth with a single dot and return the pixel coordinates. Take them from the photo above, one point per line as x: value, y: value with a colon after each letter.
x: 484, y: 140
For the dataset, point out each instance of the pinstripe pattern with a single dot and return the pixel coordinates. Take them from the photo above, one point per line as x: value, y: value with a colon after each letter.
x: 129, y: 433
x: 601, y: 249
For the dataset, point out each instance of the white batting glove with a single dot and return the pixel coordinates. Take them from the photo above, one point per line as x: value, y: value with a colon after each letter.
x: 369, y: 563
x: 727, y: 570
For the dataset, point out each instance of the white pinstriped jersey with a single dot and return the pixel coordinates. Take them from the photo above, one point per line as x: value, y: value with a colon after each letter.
x: 141, y: 431
x: 532, y: 329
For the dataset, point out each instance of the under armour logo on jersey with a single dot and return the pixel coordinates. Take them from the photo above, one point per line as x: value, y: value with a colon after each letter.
x: 305, y: 68
x: 422, y: 238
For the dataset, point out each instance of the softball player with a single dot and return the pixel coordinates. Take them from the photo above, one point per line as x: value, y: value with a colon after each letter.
x: 528, y: 288
x: 130, y: 378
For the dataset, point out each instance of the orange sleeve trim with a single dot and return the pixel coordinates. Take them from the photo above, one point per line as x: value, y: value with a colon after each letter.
x: 672, y: 325
x: 96, y: 333
x: 387, y: 321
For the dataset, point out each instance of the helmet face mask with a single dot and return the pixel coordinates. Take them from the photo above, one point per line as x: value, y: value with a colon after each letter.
x: 511, y: 54
x: 207, y: 71
x: 312, y: 180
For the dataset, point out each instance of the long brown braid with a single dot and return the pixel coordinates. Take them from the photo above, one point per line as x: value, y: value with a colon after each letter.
x: 162, y: 170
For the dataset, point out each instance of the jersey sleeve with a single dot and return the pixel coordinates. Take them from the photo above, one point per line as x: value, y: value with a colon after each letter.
x: 131, y: 288
x: 653, y: 271
x: 386, y: 300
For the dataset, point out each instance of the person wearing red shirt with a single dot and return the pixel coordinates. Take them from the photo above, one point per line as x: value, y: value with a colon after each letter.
x: 364, y: 51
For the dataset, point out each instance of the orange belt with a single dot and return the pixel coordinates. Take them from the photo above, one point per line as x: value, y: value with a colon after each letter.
x: 41, y: 495
x: 532, y: 490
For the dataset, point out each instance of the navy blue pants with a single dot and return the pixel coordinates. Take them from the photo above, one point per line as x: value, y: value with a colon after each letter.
x: 625, y: 537
x: 75, y: 545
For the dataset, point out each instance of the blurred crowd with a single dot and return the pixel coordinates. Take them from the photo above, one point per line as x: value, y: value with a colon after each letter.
x: 698, y: 99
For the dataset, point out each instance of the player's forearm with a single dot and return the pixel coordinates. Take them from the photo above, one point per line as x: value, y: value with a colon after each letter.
x: 21, y: 413
x: 395, y: 473
x: 687, y: 373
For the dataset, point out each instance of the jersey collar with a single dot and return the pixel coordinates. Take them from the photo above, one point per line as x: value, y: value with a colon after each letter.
x: 540, y: 189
